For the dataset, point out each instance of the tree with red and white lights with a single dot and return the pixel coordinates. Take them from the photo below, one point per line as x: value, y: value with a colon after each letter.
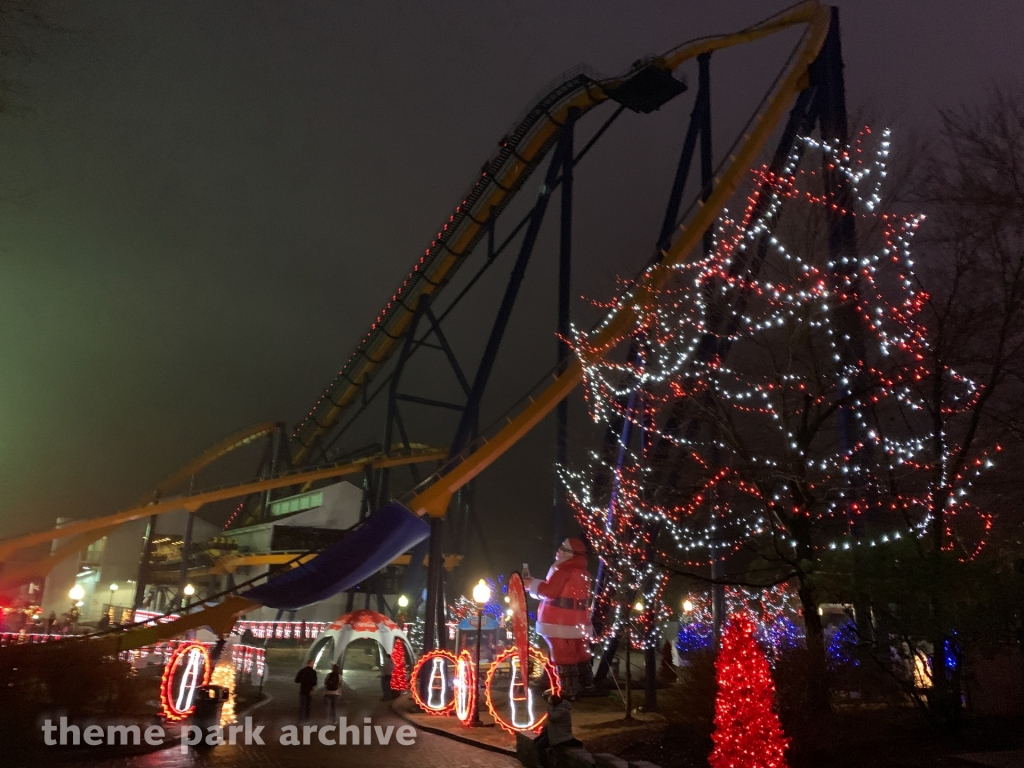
x: 773, y: 398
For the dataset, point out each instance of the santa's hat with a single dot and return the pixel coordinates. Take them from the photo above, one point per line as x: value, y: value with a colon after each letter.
x: 576, y: 545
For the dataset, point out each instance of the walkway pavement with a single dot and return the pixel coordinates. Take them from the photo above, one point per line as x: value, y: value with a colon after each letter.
x: 361, y: 699
x: 592, y: 719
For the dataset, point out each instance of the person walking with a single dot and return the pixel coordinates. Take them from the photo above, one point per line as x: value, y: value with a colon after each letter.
x: 332, y: 691
x: 387, y: 669
x: 306, y: 678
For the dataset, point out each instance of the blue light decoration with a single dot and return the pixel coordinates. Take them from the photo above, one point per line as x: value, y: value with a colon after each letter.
x: 496, y: 605
x: 694, y: 636
x: 842, y: 651
x: 777, y: 636
x: 952, y: 650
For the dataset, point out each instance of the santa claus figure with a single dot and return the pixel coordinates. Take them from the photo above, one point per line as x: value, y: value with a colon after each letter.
x: 563, y: 618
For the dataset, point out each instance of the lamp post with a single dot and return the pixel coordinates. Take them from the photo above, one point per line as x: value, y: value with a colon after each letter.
x: 189, y: 590
x: 481, y: 595
x: 403, y: 603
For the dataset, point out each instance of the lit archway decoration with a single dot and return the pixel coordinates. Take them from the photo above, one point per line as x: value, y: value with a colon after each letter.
x: 523, y: 716
x: 177, y: 695
x: 465, y: 687
x: 440, y: 692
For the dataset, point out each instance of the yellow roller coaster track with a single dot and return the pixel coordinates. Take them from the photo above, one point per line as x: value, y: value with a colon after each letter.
x: 82, y: 532
x: 433, y: 500
x: 501, y: 178
x: 209, y: 456
x: 434, y: 497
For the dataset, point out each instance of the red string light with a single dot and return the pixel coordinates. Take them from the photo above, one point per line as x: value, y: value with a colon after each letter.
x: 747, y: 729
x: 773, y: 460
x: 400, y: 675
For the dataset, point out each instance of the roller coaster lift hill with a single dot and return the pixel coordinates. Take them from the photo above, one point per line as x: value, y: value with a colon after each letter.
x: 808, y: 92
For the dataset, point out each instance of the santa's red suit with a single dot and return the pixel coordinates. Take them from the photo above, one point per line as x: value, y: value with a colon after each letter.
x: 563, y: 618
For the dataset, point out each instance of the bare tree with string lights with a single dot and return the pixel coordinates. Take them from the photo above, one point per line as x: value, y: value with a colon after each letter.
x: 775, y: 408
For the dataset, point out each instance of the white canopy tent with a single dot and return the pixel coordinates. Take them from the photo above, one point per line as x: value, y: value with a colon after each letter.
x: 329, y: 648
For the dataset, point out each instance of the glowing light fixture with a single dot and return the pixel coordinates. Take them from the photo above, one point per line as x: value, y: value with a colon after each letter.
x: 481, y: 593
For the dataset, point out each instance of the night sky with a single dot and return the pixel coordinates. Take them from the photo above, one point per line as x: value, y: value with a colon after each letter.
x: 205, y: 204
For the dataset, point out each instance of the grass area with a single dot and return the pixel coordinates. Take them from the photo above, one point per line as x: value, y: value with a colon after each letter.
x: 877, y: 727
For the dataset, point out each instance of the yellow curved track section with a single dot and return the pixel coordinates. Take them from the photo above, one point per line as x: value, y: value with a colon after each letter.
x: 617, y: 325
x: 89, y: 530
x: 231, y: 563
x: 210, y: 455
x: 501, y: 179
x: 37, y: 569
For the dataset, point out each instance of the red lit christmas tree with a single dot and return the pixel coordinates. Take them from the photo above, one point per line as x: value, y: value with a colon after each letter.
x: 747, y: 730
x: 400, y: 675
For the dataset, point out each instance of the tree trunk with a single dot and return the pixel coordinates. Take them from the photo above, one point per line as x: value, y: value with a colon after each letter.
x: 943, y: 700
x: 817, y: 672
x: 815, y: 638
x: 651, y: 678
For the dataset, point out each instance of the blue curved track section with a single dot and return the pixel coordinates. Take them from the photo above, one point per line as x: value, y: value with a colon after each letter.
x: 384, y: 536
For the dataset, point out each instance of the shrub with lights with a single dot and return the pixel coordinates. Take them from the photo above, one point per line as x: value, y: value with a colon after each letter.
x: 400, y: 676
x: 747, y: 730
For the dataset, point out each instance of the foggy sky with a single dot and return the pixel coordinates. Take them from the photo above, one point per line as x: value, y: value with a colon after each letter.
x: 204, y: 205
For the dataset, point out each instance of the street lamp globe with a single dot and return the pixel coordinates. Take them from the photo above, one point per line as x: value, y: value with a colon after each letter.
x: 77, y: 593
x: 113, y: 587
x: 687, y: 606
x: 403, y: 601
x: 189, y: 590
x: 639, y: 606
x: 481, y: 593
